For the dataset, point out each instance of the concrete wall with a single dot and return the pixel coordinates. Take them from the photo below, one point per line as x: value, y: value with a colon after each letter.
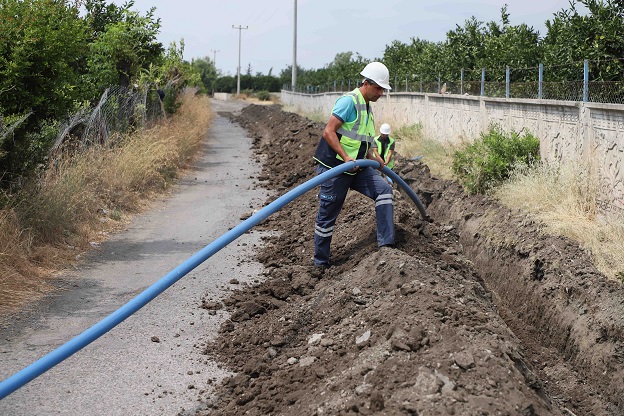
x: 568, y: 130
x: 224, y: 96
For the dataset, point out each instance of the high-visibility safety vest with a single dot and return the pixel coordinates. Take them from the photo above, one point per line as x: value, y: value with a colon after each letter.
x: 386, y: 150
x: 355, y: 136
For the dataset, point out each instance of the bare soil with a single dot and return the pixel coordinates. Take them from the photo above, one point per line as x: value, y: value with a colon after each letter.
x: 478, y: 313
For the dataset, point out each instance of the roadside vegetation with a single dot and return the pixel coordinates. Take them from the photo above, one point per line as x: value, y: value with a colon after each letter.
x: 488, y: 161
x: 564, y: 198
x: 506, y: 165
x: 77, y: 202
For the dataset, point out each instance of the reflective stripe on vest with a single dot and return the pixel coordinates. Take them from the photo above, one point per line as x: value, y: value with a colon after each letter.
x: 355, y: 132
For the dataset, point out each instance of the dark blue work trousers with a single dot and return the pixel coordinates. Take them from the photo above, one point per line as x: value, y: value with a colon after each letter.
x: 332, y: 195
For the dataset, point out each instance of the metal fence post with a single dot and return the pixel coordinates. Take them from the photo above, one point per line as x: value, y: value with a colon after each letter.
x: 420, y: 76
x: 482, y: 82
x: 507, y: 82
x: 461, y: 82
x: 439, y: 86
x: 540, y: 81
x: 585, y: 80
x: 405, y: 82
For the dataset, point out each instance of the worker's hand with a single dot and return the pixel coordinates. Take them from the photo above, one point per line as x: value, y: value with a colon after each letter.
x: 350, y: 159
x: 372, y: 155
x: 381, y: 163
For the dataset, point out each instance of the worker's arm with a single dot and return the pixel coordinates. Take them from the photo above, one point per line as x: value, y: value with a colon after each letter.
x: 389, y: 157
x: 332, y: 139
x: 376, y: 153
x: 372, y: 154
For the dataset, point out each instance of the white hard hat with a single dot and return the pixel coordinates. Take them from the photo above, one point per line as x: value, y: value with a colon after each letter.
x: 385, y: 128
x: 378, y: 73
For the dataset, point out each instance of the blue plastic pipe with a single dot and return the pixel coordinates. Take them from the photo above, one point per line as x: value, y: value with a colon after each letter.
x: 48, y: 361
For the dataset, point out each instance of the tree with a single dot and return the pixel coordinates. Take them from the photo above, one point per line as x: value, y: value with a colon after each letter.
x: 99, y: 14
x: 207, y: 72
x: 345, y: 66
x: 225, y: 84
x: 400, y: 58
x: 42, y: 43
x: 466, y: 45
x: 508, y: 45
x: 597, y: 36
x: 124, y: 48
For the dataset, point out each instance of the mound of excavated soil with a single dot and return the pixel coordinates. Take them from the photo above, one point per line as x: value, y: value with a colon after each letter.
x: 478, y: 313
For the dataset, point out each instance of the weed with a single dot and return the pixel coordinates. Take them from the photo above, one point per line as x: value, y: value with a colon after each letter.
x: 263, y: 95
x: 489, y: 160
x: 115, y: 215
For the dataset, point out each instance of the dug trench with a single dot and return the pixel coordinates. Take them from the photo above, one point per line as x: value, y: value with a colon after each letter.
x: 477, y: 313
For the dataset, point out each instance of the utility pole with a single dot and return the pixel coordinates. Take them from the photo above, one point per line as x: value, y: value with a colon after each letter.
x: 294, y: 64
x: 240, y: 28
x: 214, y: 59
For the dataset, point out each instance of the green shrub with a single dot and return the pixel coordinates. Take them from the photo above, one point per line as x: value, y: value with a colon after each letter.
x: 263, y: 95
x: 488, y: 161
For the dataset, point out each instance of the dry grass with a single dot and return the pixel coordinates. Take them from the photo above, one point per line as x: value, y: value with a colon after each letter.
x: 410, y: 142
x: 564, y: 199
x: 15, y: 265
x: 81, y: 196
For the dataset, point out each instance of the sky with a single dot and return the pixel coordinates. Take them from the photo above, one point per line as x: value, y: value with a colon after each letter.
x: 324, y: 27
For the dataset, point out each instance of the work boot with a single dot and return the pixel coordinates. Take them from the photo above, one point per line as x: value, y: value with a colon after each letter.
x: 319, y: 269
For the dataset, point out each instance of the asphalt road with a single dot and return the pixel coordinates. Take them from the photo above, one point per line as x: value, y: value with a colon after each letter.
x: 150, y: 364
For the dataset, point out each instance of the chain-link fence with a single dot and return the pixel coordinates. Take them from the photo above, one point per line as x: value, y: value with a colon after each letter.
x: 537, y: 82
x: 119, y: 110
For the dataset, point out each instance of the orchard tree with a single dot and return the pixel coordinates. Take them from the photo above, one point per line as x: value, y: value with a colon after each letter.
x: 465, y: 45
x: 596, y: 36
x: 509, y: 45
x: 345, y: 66
x: 225, y: 84
x: 401, y: 59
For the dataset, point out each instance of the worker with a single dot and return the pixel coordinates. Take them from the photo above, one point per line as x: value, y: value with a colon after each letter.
x: 350, y: 135
x: 385, y: 147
